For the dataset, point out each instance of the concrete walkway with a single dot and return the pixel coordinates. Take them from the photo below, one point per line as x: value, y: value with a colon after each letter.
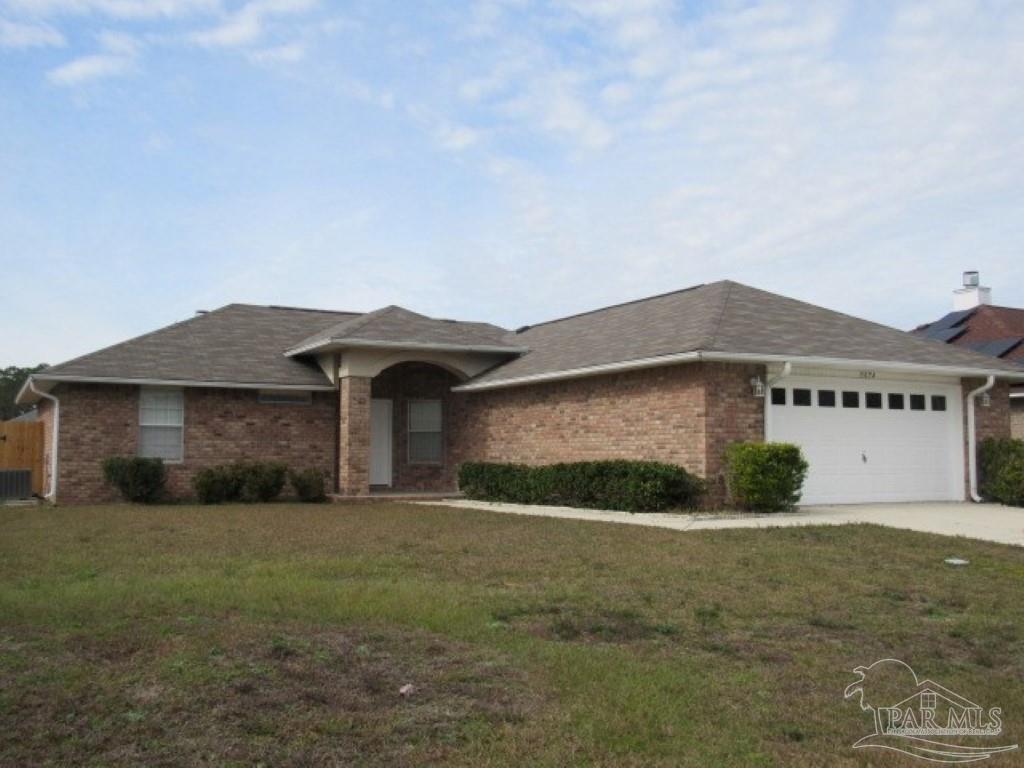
x: 989, y: 522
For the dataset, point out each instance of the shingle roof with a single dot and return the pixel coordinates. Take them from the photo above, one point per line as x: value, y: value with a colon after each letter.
x: 239, y: 343
x: 724, y: 317
x: 988, y: 329
x: 395, y: 325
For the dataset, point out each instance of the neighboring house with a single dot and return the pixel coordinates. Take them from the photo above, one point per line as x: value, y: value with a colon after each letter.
x: 394, y: 400
x: 977, y: 325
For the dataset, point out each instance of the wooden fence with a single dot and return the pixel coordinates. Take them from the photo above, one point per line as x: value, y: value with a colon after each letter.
x: 21, y: 447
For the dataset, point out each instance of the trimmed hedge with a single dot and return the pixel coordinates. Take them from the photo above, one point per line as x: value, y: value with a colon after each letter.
x: 244, y: 481
x: 631, y: 486
x: 1001, y: 470
x: 137, y: 479
x: 765, y: 477
x: 309, y: 484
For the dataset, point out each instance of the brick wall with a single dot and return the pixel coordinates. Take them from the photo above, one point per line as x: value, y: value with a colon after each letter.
x: 354, y: 436
x: 683, y: 414
x: 993, y: 421
x: 1017, y: 418
x: 221, y: 426
x: 411, y: 381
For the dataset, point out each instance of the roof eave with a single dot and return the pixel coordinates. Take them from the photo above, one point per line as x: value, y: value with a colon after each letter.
x: 149, y: 382
x: 738, y: 357
x: 330, y: 345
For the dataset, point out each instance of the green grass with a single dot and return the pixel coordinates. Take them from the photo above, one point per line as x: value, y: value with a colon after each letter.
x: 282, y: 634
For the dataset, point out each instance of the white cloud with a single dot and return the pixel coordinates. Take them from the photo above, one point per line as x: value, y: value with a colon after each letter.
x: 119, y: 55
x: 457, y: 137
x: 280, y: 54
x: 247, y: 25
x: 18, y: 35
x: 121, y: 9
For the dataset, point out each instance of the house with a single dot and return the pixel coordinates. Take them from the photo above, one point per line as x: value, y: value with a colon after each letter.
x: 392, y: 399
x: 976, y: 324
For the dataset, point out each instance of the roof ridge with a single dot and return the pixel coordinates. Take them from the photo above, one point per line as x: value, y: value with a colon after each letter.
x: 613, y: 306
x: 721, y: 313
x: 292, y: 309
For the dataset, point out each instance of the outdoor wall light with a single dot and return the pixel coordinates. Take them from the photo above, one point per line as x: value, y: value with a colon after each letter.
x: 986, y: 400
x: 757, y: 387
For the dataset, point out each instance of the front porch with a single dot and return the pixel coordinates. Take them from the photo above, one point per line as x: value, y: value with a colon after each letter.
x: 396, y: 430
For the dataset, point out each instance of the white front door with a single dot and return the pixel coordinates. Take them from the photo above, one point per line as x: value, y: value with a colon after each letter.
x: 380, y: 442
x: 873, y: 440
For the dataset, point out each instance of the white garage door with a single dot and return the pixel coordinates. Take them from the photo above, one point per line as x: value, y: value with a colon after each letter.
x: 872, y: 440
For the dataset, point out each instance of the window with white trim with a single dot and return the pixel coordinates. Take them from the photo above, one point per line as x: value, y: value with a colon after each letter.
x: 162, y: 423
x: 425, y: 444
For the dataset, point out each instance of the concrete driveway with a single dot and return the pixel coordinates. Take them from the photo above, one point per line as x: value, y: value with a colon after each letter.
x: 988, y: 522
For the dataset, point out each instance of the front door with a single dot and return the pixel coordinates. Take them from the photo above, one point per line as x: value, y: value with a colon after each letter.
x: 380, y: 442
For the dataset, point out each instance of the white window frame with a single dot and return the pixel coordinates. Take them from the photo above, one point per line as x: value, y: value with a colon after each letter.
x: 284, y: 397
x: 410, y: 431
x: 143, y: 424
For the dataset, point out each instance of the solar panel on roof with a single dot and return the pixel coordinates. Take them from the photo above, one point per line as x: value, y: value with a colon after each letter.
x: 944, y: 334
x: 950, y: 320
x: 998, y: 347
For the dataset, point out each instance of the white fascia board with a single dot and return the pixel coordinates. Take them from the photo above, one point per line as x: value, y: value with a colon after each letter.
x: 332, y: 344
x: 737, y: 357
x: 57, y: 378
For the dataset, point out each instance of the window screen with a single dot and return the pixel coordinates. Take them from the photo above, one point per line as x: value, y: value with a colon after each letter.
x: 851, y: 399
x: 425, y: 446
x: 826, y: 398
x: 778, y: 396
x: 801, y: 397
x: 161, y: 424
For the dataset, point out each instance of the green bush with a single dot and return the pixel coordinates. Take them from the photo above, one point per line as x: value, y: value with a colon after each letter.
x: 139, y: 480
x: 994, y: 455
x: 1001, y: 470
x: 632, y: 486
x: 765, y: 477
x: 243, y: 481
x: 309, y: 485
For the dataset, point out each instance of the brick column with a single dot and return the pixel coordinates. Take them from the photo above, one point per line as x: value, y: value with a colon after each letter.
x: 354, y: 437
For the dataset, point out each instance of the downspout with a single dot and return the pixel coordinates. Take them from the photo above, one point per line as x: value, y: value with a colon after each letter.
x: 972, y: 438
x: 52, y: 494
x: 787, y: 369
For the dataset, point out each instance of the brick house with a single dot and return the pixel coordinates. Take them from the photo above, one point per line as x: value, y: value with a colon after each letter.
x: 976, y: 324
x: 392, y: 400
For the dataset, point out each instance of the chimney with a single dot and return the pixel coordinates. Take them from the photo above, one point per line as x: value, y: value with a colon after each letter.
x: 972, y: 295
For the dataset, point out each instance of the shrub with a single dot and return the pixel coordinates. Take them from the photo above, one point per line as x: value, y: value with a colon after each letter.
x: 309, y: 485
x: 139, y: 480
x: 995, y: 455
x: 244, y: 481
x: 1008, y: 485
x: 765, y: 477
x: 632, y: 486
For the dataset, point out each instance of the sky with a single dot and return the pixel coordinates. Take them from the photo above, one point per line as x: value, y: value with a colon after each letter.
x: 509, y: 161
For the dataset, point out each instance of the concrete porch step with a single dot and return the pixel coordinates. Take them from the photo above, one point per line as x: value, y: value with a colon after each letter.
x: 393, y: 496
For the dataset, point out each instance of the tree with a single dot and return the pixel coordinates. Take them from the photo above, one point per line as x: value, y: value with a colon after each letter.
x: 11, y: 380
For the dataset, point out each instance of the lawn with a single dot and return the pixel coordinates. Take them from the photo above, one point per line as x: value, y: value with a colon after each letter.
x: 282, y: 635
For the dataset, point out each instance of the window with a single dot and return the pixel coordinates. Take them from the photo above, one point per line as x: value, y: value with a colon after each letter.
x: 162, y: 424
x: 895, y: 401
x: 873, y: 400
x: 425, y: 445
x: 826, y: 398
x: 801, y: 397
x: 917, y: 402
x: 938, y: 402
x: 284, y: 397
x: 778, y: 396
x: 851, y: 399
x: 928, y: 700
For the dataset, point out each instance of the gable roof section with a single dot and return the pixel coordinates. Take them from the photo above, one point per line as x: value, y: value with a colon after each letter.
x: 718, y: 320
x: 236, y: 344
x: 396, y: 326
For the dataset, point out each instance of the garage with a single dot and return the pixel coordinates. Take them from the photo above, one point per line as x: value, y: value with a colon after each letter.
x: 873, y: 440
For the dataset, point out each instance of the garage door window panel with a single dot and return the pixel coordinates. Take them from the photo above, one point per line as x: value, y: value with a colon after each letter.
x: 873, y: 400
x: 851, y: 399
x: 778, y: 396
x: 801, y: 397
x: 917, y: 402
x: 895, y: 401
x: 826, y: 398
x: 938, y: 402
